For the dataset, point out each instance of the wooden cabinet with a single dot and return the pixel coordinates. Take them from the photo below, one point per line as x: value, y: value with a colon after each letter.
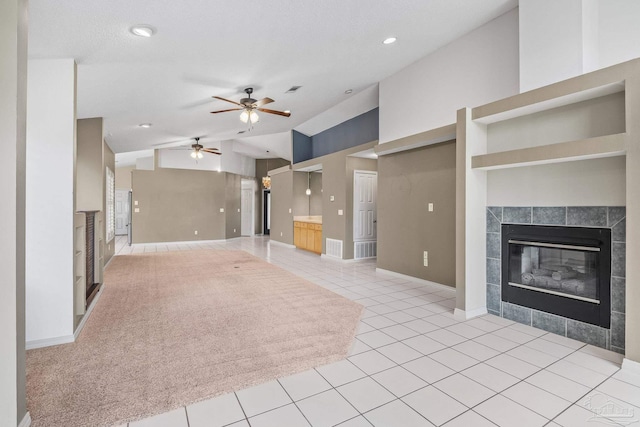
x: 307, y: 236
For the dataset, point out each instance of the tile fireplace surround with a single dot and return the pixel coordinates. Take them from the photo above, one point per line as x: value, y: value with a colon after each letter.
x: 612, y: 217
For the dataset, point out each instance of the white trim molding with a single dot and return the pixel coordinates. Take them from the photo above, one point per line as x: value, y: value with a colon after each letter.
x: 462, y: 315
x: 414, y: 279
x: 48, y: 342
x: 88, y: 313
x: 26, y: 420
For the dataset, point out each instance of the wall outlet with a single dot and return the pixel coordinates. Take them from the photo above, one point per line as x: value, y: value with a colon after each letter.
x: 289, y: 210
x: 234, y: 230
x: 430, y: 207
x: 195, y: 232
x: 340, y: 212
x: 135, y: 203
x: 136, y: 210
x: 281, y: 234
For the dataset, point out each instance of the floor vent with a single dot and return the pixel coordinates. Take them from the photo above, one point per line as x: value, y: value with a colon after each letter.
x: 334, y: 248
x: 362, y: 250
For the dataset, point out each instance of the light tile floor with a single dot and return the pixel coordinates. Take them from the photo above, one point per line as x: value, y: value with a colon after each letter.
x: 413, y: 364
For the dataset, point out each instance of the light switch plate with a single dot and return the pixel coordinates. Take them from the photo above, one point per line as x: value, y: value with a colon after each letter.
x: 135, y: 203
x: 430, y: 207
x: 332, y: 198
x: 340, y: 212
x: 136, y: 210
x: 289, y: 210
x: 238, y: 210
x: 221, y: 209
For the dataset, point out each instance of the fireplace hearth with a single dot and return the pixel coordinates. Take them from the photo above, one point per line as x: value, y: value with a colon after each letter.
x: 560, y: 270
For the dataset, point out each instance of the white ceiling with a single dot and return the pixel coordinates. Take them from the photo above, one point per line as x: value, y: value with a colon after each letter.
x: 218, y: 47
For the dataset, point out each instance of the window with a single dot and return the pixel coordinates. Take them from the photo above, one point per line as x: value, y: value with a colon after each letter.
x: 110, y: 210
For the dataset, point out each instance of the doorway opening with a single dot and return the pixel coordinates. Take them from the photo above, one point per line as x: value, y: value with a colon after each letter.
x: 266, y: 212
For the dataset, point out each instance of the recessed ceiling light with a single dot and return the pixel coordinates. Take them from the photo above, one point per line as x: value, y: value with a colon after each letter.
x: 142, y: 30
x: 145, y: 125
x: 348, y: 91
x: 389, y: 40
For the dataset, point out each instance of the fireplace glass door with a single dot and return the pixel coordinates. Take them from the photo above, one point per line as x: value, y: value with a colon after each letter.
x: 565, y: 270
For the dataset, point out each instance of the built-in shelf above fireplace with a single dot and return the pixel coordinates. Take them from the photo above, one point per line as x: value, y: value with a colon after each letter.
x: 560, y: 270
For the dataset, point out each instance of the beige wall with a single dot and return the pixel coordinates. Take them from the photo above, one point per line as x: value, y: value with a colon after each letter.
x: 89, y: 173
x: 315, y: 200
x: 174, y: 203
x: 334, y: 183
x: 109, y: 161
x: 233, y: 203
x: 281, y: 202
x: 123, y: 177
x: 407, y: 182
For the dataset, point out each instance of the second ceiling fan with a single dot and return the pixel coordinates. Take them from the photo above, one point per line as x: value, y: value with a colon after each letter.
x: 250, y: 107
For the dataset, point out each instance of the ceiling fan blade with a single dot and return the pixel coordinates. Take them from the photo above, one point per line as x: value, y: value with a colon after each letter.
x: 210, y: 151
x: 224, y: 111
x: 280, y: 113
x: 210, y: 148
x: 262, y: 102
x: 228, y: 100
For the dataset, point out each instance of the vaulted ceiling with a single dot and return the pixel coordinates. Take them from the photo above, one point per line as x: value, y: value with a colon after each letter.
x: 203, y: 48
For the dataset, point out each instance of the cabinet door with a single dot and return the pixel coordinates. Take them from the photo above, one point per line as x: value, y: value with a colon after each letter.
x: 296, y: 235
x: 311, y: 239
x: 318, y: 241
x: 303, y: 238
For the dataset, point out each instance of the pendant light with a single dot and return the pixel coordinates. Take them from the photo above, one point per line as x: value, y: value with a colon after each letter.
x: 308, y: 184
x: 266, y: 180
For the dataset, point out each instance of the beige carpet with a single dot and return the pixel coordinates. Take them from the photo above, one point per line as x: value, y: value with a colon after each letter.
x: 178, y: 327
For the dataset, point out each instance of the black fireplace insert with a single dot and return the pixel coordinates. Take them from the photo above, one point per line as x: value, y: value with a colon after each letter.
x: 559, y: 270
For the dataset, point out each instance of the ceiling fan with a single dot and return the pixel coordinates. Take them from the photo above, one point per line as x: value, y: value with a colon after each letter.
x: 198, y: 149
x: 250, y: 107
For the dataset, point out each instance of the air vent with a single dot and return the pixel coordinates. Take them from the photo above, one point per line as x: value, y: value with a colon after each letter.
x: 292, y: 89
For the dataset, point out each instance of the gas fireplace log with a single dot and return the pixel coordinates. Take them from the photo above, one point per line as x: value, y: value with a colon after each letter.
x: 562, y: 275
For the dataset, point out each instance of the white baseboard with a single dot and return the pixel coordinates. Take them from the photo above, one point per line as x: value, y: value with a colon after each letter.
x: 26, y: 420
x: 469, y: 314
x: 182, y: 243
x: 88, y: 313
x: 414, y: 279
x: 333, y: 258
x: 286, y: 245
x: 48, y: 342
x: 631, y: 366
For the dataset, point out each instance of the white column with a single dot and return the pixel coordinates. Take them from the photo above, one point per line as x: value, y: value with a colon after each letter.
x: 51, y: 135
x: 471, y: 227
x: 13, y: 66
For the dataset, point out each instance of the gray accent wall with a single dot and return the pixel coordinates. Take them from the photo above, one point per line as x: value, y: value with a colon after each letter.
x: 407, y: 182
x: 613, y: 217
x: 301, y: 147
x: 89, y: 173
x: 351, y: 133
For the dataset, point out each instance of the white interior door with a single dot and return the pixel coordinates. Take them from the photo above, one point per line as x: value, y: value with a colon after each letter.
x: 365, y: 189
x: 122, y: 211
x: 246, y: 208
